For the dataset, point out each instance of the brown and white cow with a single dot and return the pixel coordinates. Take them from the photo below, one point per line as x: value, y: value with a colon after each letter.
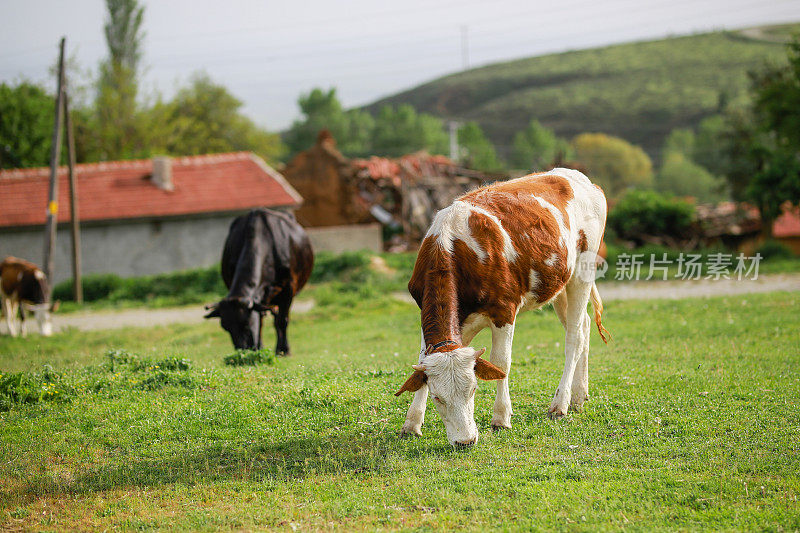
x: 495, y: 252
x: 23, y: 287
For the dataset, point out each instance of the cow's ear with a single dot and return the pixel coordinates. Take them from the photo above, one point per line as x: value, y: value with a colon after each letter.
x: 487, y: 371
x: 414, y: 382
x: 214, y: 310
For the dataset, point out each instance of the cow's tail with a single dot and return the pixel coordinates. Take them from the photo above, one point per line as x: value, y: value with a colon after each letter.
x: 597, y: 305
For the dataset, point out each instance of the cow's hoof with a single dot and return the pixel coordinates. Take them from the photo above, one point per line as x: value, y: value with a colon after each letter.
x: 576, y: 403
x: 407, y: 432
x: 500, y: 422
x: 556, y: 411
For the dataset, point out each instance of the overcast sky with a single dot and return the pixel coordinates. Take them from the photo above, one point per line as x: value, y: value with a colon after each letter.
x: 267, y: 52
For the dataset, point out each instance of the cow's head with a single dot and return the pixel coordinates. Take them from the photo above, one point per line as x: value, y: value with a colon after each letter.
x: 242, y: 319
x: 452, y: 378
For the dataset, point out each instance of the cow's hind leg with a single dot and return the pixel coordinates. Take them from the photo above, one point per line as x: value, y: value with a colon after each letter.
x: 580, y: 380
x: 502, y: 339
x: 23, y: 327
x: 577, y: 297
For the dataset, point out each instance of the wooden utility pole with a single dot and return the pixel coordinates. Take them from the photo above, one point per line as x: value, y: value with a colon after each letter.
x: 77, y: 284
x: 55, y: 155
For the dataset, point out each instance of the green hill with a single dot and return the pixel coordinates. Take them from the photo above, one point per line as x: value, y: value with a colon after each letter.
x: 638, y: 91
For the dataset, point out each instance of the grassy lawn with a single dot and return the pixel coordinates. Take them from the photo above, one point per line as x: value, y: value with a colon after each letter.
x: 693, y: 423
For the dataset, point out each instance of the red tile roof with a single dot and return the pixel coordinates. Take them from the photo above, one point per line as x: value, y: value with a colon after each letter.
x: 123, y: 189
x: 788, y: 224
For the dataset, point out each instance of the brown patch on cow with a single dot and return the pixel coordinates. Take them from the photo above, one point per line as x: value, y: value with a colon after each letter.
x: 549, y: 187
x: 433, y: 287
x: 583, y: 243
x: 15, y: 271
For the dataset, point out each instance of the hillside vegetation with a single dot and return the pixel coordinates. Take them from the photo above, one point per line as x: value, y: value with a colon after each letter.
x: 637, y: 91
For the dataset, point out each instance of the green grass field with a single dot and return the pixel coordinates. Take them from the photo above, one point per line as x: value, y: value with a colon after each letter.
x: 638, y: 91
x: 692, y: 424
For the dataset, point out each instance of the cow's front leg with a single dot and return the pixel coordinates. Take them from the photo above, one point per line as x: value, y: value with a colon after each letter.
x: 416, y: 413
x: 502, y: 339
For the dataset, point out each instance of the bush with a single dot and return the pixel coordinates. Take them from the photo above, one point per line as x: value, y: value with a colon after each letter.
x: 250, y: 358
x: 774, y: 250
x: 186, y: 286
x: 95, y: 287
x: 647, y: 213
x: 329, y: 266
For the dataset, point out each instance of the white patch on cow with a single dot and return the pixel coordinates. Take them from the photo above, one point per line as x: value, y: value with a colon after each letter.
x: 452, y: 383
x: 508, y: 247
x: 562, y: 227
x: 550, y: 261
x: 534, y: 280
x: 38, y: 274
x: 452, y: 223
x: 572, y: 175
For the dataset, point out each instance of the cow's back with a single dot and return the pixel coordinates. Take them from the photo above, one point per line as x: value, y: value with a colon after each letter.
x: 512, y: 243
x: 23, y: 279
x: 282, y: 242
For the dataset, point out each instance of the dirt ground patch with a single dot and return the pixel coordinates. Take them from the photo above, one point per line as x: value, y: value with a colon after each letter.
x: 609, y: 291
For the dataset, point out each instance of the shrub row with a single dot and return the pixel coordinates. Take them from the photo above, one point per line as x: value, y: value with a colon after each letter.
x: 187, y: 286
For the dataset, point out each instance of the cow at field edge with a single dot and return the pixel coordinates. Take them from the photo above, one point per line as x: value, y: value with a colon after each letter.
x: 23, y: 287
x: 267, y: 259
x: 497, y: 251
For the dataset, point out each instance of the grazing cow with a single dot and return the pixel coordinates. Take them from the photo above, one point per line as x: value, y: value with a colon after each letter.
x: 266, y: 261
x: 493, y: 253
x: 23, y: 287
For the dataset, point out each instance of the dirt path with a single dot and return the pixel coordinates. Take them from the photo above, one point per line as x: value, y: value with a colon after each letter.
x: 109, y: 319
x: 93, y: 320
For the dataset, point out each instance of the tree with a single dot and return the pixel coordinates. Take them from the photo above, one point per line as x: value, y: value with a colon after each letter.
x: 758, y: 149
x: 645, y: 216
x: 480, y: 152
x: 402, y: 131
x: 118, y: 126
x: 204, y: 118
x: 681, y: 176
x: 536, y: 148
x: 613, y: 163
x: 322, y: 110
x: 776, y: 100
x: 26, y: 125
x: 776, y: 183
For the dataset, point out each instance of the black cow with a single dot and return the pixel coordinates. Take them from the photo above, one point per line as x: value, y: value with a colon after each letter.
x: 266, y: 261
